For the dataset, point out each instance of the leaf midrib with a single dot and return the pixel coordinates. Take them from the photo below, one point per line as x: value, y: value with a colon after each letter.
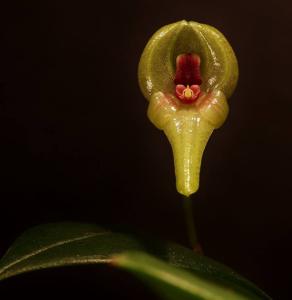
x: 43, y: 249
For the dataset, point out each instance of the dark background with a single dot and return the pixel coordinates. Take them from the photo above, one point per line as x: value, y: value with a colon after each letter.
x: 76, y: 144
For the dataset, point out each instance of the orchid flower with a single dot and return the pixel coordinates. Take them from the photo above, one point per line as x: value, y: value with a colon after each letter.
x: 187, y: 71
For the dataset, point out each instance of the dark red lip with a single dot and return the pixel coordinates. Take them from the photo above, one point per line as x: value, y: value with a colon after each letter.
x: 188, y: 70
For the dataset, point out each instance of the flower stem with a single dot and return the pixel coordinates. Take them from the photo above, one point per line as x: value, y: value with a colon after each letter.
x: 190, y: 224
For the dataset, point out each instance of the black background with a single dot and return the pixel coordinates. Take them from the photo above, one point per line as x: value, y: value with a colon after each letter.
x: 76, y: 144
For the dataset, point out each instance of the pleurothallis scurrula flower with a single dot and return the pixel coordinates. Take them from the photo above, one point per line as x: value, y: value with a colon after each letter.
x: 187, y: 71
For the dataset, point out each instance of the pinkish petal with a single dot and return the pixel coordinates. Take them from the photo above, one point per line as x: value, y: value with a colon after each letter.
x: 179, y: 89
x: 196, y: 89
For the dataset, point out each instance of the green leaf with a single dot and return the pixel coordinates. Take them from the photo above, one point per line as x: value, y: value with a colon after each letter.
x: 61, y: 244
x: 174, y: 283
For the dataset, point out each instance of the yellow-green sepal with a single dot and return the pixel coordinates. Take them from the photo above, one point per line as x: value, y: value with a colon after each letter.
x: 188, y: 127
x: 219, y: 68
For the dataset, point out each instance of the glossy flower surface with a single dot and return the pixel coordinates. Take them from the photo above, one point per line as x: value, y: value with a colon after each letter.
x: 187, y: 71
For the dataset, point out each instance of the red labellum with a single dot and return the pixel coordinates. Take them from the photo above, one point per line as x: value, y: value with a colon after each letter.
x: 187, y: 77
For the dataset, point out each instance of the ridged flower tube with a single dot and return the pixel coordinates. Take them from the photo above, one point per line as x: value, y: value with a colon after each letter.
x: 187, y: 72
